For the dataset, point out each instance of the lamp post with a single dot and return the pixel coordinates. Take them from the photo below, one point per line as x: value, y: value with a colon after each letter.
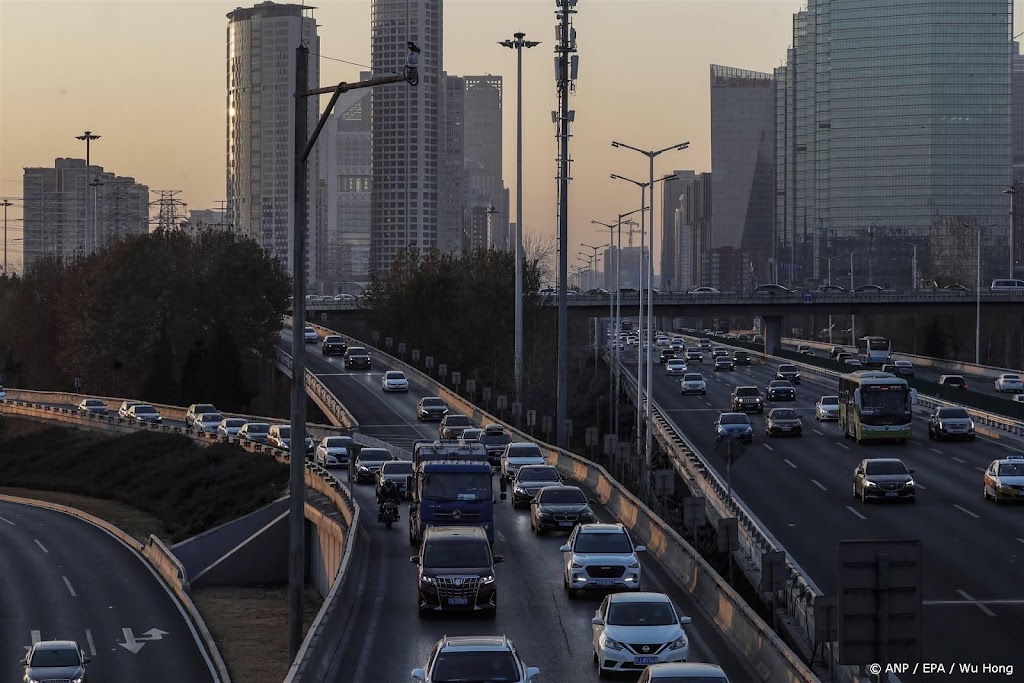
x: 853, y: 318
x: 518, y: 43
x: 5, y: 203
x: 913, y: 266
x: 977, y: 307
x: 1011, y: 191
x: 88, y: 136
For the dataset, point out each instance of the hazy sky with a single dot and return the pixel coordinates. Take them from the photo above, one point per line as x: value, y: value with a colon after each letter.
x: 149, y: 76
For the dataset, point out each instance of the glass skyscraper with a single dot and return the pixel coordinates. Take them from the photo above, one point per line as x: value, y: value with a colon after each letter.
x: 894, y: 130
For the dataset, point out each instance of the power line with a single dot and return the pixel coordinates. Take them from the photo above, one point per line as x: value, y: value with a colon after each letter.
x: 362, y: 66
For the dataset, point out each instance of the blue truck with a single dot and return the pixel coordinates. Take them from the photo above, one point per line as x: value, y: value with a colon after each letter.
x: 450, y: 485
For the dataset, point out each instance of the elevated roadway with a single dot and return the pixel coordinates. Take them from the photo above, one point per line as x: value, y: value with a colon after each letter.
x: 65, y: 579
x: 801, y: 489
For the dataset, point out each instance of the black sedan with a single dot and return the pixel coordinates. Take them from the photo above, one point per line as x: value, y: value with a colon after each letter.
x: 884, y: 479
x: 781, y: 390
x: 529, y: 480
x: 430, y: 408
x: 559, y: 507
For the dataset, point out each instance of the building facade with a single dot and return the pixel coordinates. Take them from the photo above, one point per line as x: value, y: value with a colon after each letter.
x: 54, y: 214
x: 405, y: 130
x: 743, y: 161
x: 261, y: 72
x: 693, y: 233
x: 453, y: 188
x: 483, y: 138
x: 629, y: 275
x: 1017, y: 109
x: 894, y: 131
x: 207, y: 219
x: 671, y: 191
x: 346, y: 174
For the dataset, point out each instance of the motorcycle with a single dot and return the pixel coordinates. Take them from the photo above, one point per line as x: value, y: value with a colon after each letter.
x: 390, y: 514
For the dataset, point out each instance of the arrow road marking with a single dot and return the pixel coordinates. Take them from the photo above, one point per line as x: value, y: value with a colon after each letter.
x: 43, y: 547
x: 70, y: 589
x: 134, y: 644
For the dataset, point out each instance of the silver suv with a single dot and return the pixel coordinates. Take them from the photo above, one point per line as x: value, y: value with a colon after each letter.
x: 475, y: 658
x: 601, y: 556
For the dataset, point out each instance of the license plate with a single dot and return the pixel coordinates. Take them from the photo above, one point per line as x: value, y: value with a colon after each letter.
x: 644, y: 661
x: 891, y: 494
x: 604, y: 582
x: 458, y: 601
x: 567, y: 524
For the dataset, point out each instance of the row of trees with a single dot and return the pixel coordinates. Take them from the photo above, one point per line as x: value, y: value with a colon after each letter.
x: 163, y: 317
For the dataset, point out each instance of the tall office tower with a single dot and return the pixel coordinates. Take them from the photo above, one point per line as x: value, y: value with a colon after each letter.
x: 483, y: 150
x: 452, y: 191
x: 261, y: 72
x: 887, y: 144
x: 629, y: 275
x: 743, y: 161
x: 54, y: 217
x: 405, y: 124
x: 671, y: 190
x: 1017, y: 111
x: 345, y: 170
x: 693, y: 233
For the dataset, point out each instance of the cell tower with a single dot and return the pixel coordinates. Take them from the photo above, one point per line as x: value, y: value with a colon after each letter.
x: 167, y: 212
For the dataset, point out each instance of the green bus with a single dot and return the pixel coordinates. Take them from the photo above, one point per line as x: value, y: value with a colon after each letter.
x: 875, y: 406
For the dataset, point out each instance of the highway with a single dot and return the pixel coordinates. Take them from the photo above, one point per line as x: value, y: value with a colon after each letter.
x: 64, y: 578
x: 801, y: 489
x: 388, y: 639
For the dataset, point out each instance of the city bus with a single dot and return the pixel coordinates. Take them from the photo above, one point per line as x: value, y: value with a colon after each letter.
x: 875, y: 406
x: 873, y: 350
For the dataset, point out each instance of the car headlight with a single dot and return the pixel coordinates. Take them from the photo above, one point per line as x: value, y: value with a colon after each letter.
x: 612, y: 644
x: 635, y: 564
x: 678, y: 644
x: 910, y: 483
x: 428, y: 580
x: 575, y: 565
x: 544, y: 515
x: 586, y: 515
x: 870, y: 484
x: 519, y: 489
x: 487, y: 579
x: 364, y: 469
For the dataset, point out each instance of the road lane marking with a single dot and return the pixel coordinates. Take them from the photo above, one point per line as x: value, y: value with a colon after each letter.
x: 1021, y: 540
x: 92, y: 645
x: 38, y: 543
x: 707, y: 403
x: 818, y: 433
x: 935, y: 450
x: 997, y: 601
x: 842, y: 445
x: 966, y: 511
x: 35, y: 637
x: 855, y: 512
x: 70, y: 589
x: 917, y: 485
x: 980, y: 605
x: 790, y: 463
x: 980, y: 469
x: 959, y: 460
x: 769, y: 447
x: 818, y: 484
x: 8, y: 521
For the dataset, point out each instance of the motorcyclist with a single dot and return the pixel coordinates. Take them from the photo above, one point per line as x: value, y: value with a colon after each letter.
x: 388, y: 491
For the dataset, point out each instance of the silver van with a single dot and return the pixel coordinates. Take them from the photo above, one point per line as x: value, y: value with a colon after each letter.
x: 1007, y: 286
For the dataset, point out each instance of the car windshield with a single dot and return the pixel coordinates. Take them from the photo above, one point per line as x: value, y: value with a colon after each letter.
x: 675, y: 363
x: 747, y: 391
x: 491, y: 666
x: 433, y: 403
x: 603, y: 543
x: 144, y: 410
x: 257, y: 428
x: 538, y: 474
x: 394, y: 375
x: 457, y: 421
x: 552, y: 496
x: 693, y: 377
x: 332, y: 339
x: 472, y: 434
x: 285, y: 432
x: 883, y: 402
x: 953, y: 412
x: 688, y: 679
x: 1012, y: 377
x: 495, y: 439
x: 453, y: 486
x: 781, y: 384
x: 787, y: 368
x: 886, y: 467
x: 336, y: 442
x: 396, y: 467
x: 211, y: 417
x: 640, y: 614
x: 955, y: 381
x: 1013, y: 469
x: 441, y: 555
x: 358, y: 352
x: 371, y: 455
x: 524, y: 450
x: 830, y: 400
x: 734, y: 419
x: 310, y: 330
x: 783, y: 414
x: 90, y: 402
x: 53, y: 658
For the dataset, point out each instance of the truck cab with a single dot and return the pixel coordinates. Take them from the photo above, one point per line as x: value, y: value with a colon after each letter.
x: 450, y: 486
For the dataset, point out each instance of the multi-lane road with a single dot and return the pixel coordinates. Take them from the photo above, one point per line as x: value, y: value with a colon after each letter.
x: 65, y: 579
x: 388, y: 639
x: 801, y: 489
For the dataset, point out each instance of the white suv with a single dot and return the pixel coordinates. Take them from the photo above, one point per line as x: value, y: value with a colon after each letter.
x: 601, y: 556
x: 475, y: 658
x: 693, y: 383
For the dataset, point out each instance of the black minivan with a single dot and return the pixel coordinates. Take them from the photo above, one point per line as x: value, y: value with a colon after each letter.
x: 456, y: 571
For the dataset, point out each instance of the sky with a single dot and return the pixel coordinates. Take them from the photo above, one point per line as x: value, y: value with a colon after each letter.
x: 149, y: 76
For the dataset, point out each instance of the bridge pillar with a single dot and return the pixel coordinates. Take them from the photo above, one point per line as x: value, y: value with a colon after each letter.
x: 772, y: 333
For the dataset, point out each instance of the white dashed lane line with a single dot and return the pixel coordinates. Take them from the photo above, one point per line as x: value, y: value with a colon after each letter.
x: 790, y: 463
x: 855, y: 512
x: 819, y: 484
x: 966, y: 511
x: 41, y: 546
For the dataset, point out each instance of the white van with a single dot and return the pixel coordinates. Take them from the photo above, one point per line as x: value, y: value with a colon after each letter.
x: 1007, y: 286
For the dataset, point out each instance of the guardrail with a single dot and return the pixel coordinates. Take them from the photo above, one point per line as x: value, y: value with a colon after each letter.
x: 764, y: 650
x: 321, y: 395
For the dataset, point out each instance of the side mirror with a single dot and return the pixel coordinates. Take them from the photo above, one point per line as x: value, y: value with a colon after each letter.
x: 498, y: 559
x: 533, y: 502
x: 565, y: 548
x: 419, y: 675
x: 639, y: 549
x: 591, y: 501
x: 685, y: 620
x: 24, y: 662
x: 532, y: 672
x: 415, y: 559
x: 911, y: 471
x: 87, y: 660
x: 597, y: 621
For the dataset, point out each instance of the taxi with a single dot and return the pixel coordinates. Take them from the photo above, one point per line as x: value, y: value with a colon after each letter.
x: 1004, y: 479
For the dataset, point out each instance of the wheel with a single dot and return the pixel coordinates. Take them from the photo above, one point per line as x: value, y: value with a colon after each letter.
x: 984, y: 492
x: 603, y: 674
x: 856, y: 496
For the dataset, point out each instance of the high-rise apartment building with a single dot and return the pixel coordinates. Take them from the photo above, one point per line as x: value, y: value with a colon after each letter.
x: 693, y: 233
x: 345, y: 170
x: 671, y: 191
x: 405, y: 125
x: 261, y: 83
x: 894, y: 130
x: 483, y: 144
x: 743, y: 161
x: 54, y: 216
x: 629, y: 275
x: 452, y: 192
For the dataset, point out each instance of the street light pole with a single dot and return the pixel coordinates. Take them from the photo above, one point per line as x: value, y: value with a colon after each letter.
x: 518, y: 43
x: 853, y: 318
x: 977, y: 310
x: 5, y: 203
x: 1012, y: 191
x: 88, y: 136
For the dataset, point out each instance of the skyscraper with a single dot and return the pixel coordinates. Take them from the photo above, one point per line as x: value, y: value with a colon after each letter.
x: 1017, y: 109
x: 261, y: 72
x: 483, y: 150
x: 743, y: 161
x: 671, y: 190
x: 54, y: 210
x: 452, y: 156
x: 884, y: 144
x: 405, y: 125
x: 345, y: 169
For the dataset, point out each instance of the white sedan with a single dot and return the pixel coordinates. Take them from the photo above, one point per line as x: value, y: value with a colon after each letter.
x: 1009, y: 382
x: 393, y: 380
x: 634, y: 630
x: 693, y: 383
x: 675, y: 366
